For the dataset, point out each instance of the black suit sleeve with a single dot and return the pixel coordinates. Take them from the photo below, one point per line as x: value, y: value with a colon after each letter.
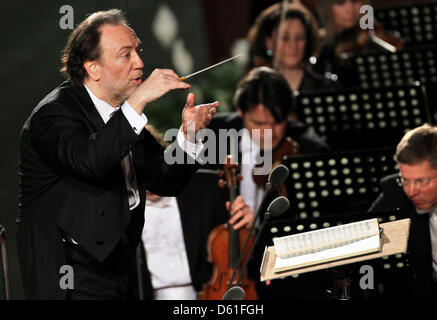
x: 62, y: 139
x: 163, y: 178
x: 391, y: 196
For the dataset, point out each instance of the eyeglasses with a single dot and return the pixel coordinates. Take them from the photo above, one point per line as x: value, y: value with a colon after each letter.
x: 419, y: 183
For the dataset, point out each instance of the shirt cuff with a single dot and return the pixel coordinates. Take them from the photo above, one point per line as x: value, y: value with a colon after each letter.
x: 137, y: 122
x: 192, y: 149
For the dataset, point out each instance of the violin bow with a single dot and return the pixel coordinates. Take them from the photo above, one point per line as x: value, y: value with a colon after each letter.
x: 277, y: 52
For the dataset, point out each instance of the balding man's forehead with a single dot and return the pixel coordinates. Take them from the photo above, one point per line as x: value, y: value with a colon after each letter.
x: 117, y: 36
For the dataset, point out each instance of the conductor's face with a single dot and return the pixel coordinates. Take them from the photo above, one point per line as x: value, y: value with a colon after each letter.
x: 119, y: 69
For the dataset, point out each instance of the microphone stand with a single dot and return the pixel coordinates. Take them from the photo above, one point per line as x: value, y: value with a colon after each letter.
x: 252, y: 227
x: 277, y: 177
x: 267, y: 216
x: 275, y: 208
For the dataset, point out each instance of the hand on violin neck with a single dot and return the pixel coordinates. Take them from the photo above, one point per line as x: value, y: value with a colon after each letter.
x: 241, y: 214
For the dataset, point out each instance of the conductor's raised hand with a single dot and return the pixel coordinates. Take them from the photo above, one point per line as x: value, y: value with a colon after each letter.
x: 160, y: 82
x: 195, y: 118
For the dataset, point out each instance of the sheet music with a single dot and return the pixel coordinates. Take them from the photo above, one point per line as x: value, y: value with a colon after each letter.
x: 363, y: 246
x: 327, y: 244
x: 393, y: 239
x: 317, y: 240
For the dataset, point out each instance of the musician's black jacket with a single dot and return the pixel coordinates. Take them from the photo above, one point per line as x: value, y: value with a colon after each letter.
x: 72, y: 182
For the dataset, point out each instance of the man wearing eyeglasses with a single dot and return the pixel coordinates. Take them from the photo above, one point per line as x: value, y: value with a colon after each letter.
x: 414, y: 192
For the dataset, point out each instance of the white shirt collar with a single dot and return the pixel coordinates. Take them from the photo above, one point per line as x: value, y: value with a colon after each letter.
x: 432, y: 210
x: 247, y: 144
x: 105, y: 109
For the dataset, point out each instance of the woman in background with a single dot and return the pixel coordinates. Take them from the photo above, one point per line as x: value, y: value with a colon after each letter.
x: 343, y: 37
x: 285, y: 38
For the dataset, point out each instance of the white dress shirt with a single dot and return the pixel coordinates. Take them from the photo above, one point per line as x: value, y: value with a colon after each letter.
x: 433, y: 233
x: 164, y: 244
x: 249, y: 190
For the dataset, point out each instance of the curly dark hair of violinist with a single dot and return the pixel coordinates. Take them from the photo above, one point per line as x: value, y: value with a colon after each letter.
x: 267, y: 22
x: 266, y: 86
x: 84, y: 43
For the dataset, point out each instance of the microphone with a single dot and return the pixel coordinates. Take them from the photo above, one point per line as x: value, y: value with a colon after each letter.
x: 277, y: 176
x: 234, y: 293
x: 276, y: 208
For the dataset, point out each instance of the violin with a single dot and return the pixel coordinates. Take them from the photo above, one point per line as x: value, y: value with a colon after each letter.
x: 224, y: 246
x: 286, y: 148
x: 359, y: 40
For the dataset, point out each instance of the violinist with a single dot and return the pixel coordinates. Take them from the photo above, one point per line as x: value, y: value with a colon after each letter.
x: 343, y: 38
x: 263, y: 99
x: 175, y: 234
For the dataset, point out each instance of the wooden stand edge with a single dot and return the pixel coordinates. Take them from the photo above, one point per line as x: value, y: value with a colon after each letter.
x: 394, y: 240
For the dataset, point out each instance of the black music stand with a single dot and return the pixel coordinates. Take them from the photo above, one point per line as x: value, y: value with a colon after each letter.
x: 416, y: 22
x: 333, y: 183
x: 411, y: 65
x: 363, y: 118
x: 384, y: 69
